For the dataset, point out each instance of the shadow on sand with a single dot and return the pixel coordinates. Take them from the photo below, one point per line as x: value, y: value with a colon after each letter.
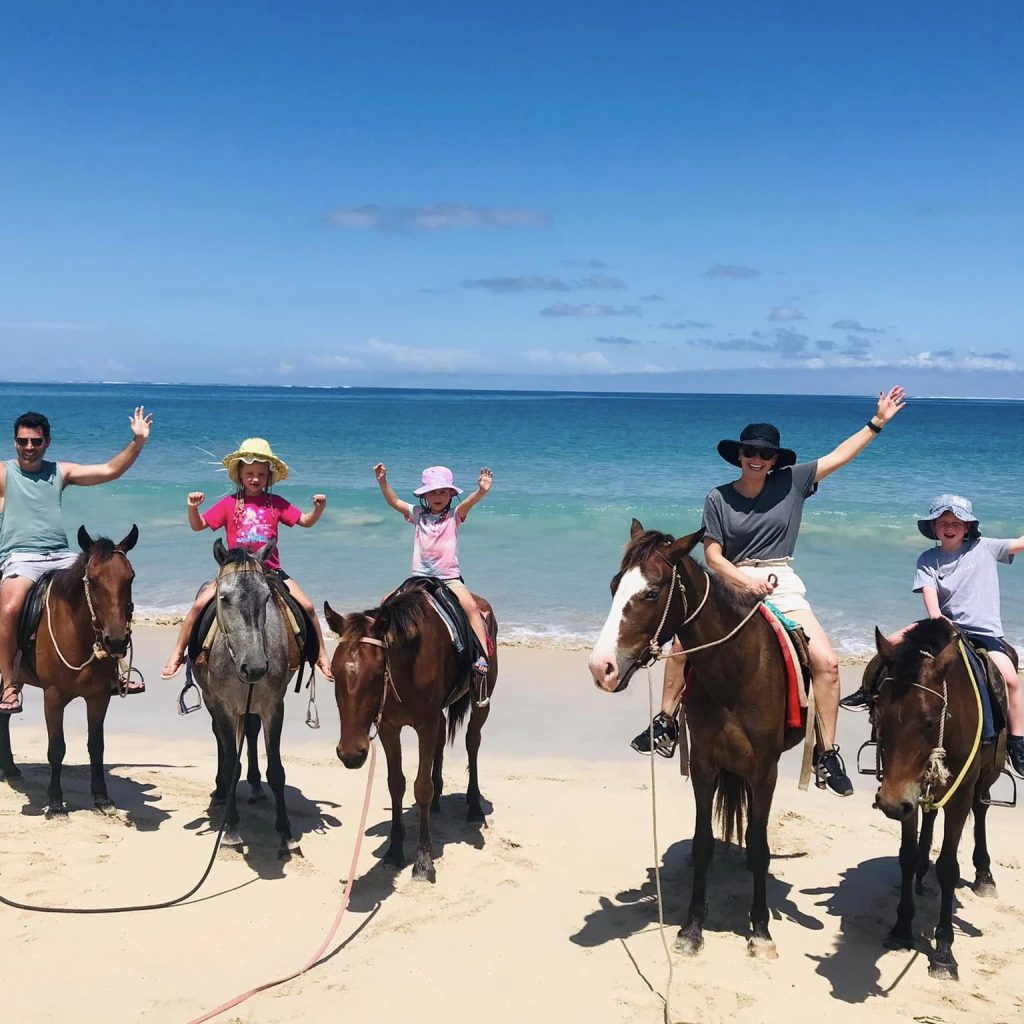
x: 730, y: 892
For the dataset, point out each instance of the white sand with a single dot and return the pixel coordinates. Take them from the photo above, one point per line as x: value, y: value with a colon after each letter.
x: 545, y: 913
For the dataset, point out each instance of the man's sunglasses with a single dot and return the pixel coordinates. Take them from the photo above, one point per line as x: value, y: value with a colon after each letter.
x: 27, y: 442
x: 757, y: 453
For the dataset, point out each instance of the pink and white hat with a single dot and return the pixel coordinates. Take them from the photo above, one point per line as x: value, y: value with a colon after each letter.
x: 435, y: 478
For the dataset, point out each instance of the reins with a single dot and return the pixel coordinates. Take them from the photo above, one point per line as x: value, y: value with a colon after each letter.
x: 389, y: 681
x: 98, y: 650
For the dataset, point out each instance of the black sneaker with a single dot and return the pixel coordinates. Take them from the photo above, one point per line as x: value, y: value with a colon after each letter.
x: 831, y: 773
x: 666, y: 736
x: 1015, y: 752
x: 856, y: 701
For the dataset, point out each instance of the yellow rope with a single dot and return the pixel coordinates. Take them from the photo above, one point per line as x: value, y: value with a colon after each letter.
x: 938, y: 805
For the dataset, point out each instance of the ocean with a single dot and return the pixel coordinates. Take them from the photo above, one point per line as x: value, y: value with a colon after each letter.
x: 571, y: 470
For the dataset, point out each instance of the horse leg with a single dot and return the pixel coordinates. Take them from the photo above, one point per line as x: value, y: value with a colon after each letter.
x: 901, y: 936
x: 395, y: 853
x: 8, y: 769
x: 759, y: 857
x: 96, y: 712
x: 435, y: 774
x: 924, y: 849
x: 423, y: 788
x: 984, y: 883
x: 252, y: 738
x: 272, y: 724
x: 477, y: 717
x: 53, y: 707
x: 943, y: 964
x: 220, y: 784
x: 230, y: 731
x: 690, y: 940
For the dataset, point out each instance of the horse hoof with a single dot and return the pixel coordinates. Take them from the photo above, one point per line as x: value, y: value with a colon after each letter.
x: 232, y: 840
x: 985, y: 886
x: 476, y: 815
x: 761, y: 948
x: 423, y: 870
x: 897, y: 940
x: 57, y: 810
x: 944, y: 970
x: 104, y: 805
x: 689, y: 944
x: 6, y: 774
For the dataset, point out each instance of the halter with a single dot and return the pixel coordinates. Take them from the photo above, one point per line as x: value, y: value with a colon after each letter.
x: 99, y: 651
x: 230, y: 569
x: 654, y: 647
x: 389, y: 681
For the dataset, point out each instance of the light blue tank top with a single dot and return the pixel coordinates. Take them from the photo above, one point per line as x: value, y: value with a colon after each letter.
x: 32, y: 519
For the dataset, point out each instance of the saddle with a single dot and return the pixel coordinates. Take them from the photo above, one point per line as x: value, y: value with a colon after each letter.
x: 31, y: 613
x: 448, y: 609
x: 303, y: 644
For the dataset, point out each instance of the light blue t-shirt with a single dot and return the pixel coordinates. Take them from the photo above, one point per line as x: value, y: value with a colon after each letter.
x: 967, y: 583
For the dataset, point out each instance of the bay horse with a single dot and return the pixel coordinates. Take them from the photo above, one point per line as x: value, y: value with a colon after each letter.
x: 928, y: 725
x: 394, y: 666
x: 735, y: 711
x: 84, y: 631
x: 246, y: 670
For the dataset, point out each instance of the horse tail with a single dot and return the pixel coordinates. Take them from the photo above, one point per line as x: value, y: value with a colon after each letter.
x: 457, y: 712
x: 731, y: 801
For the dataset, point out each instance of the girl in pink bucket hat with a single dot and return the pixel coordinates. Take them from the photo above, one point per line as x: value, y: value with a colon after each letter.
x: 435, y: 550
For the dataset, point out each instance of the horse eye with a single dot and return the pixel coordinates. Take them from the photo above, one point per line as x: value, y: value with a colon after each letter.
x: 653, y: 594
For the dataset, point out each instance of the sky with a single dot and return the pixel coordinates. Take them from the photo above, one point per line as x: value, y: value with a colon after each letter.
x: 643, y: 196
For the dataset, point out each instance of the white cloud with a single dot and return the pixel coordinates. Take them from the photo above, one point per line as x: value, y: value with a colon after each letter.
x: 411, y: 357
x: 785, y: 314
x: 579, y: 362
x: 338, y: 362
x: 589, y: 309
x: 434, y: 217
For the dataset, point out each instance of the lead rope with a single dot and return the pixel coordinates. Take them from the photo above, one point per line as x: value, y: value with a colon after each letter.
x: 97, y: 648
x: 666, y: 998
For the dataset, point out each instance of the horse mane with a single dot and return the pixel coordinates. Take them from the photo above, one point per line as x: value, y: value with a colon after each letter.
x: 925, y: 638
x: 647, y: 544
x: 400, y: 618
x: 238, y: 556
x: 66, y: 582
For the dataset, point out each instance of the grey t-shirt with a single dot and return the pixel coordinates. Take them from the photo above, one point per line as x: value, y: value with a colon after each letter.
x: 967, y: 583
x: 762, y: 527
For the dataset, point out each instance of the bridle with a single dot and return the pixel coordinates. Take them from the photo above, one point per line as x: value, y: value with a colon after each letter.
x: 389, y: 682
x: 230, y: 569
x: 99, y: 649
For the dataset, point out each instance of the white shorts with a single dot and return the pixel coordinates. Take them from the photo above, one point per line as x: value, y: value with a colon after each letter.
x: 30, y: 565
x: 790, y: 595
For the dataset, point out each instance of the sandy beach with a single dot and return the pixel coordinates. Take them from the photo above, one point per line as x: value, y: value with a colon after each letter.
x: 547, y: 911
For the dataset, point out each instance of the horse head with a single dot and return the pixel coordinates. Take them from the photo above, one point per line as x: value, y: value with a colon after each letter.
x: 359, y: 665
x: 107, y: 578
x: 643, y: 615
x: 243, y: 594
x: 911, y: 715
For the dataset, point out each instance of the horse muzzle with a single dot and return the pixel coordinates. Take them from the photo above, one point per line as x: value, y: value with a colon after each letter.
x: 353, y: 759
x: 116, y: 647
x: 609, y: 675
x: 253, y: 671
x: 898, y: 806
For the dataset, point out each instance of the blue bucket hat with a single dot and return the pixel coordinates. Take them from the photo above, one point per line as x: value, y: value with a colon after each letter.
x: 960, y: 507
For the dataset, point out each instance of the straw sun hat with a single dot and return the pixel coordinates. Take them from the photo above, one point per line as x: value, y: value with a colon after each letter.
x: 256, y: 449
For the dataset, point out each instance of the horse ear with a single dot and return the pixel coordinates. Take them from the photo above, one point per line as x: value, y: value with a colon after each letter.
x: 684, y: 545
x: 945, y: 658
x: 635, y: 529
x: 334, y: 620
x: 219, y: 551
x: 131, y: 540
x: 84, y: 540
x: 266, y: 551
x: 885, y: 648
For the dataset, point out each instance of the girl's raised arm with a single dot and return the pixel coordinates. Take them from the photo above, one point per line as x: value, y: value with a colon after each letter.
x: 319, y: 504
x: 381, y: 473
x: 483, y: 485
x: 195, y: 520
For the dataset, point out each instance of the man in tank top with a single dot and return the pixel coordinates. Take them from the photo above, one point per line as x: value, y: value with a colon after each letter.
x: 32, y: 537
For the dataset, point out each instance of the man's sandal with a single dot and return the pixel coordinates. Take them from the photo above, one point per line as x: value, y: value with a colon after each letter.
x: 11, y: 702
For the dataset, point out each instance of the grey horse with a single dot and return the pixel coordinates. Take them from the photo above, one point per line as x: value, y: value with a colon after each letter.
x: 249, y: 652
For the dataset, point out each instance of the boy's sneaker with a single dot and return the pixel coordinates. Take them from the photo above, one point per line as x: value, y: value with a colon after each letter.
x: 831, y: 773
x: 1015, y: 752
x: 666, y: 736
x: 855, y: 701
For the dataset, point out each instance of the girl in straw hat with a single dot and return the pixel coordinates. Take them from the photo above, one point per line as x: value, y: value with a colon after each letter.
x: 250, y: 518
x: 435, y: 547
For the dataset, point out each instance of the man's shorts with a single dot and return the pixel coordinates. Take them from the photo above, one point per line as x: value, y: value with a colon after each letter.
x: 30, y: 565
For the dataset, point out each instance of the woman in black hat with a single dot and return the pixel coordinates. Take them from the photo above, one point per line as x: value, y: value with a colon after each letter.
x: 751, y: 527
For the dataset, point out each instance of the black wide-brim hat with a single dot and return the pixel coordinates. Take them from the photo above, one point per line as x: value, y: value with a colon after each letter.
x: 758, y: 435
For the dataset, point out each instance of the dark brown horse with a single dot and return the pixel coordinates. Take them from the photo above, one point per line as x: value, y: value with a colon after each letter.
x: 927, y: 720
x: 394, y: 666
x: 84, y: 632
x: 736, y: 708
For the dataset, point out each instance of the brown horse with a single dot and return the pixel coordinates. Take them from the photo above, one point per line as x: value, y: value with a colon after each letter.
x: 736, y: 709
x: 84, y: 631
x: 395, y: 666
x: 927, y: 721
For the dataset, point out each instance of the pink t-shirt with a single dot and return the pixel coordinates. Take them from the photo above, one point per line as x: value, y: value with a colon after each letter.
x: 256, y: 525
x: 435, y: 550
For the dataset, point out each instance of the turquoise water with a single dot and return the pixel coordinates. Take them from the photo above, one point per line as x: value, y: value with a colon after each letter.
x: 571, y: 470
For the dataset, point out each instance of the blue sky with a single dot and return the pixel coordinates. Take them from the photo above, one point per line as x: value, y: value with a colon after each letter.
x: 646, y: 196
